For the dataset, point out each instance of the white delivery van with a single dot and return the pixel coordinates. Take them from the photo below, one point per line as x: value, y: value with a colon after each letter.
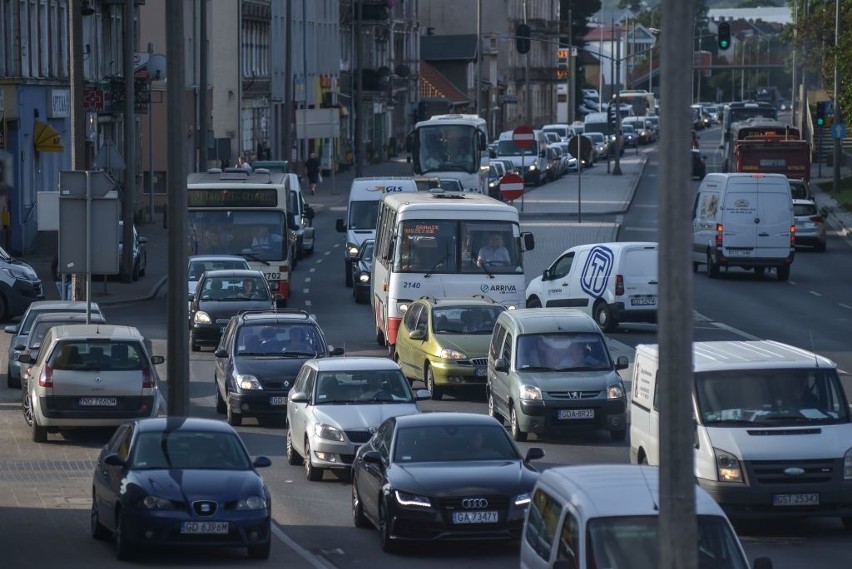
x: 607, y: 515
x: 564, y: 131
x: 531, y: 161
x: 773, y: 435
x: 365, y: 195
x: 744, y: 220
x: 612, y: 282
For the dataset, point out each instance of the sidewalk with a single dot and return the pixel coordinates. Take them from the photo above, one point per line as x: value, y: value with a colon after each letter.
x: 838, y: 219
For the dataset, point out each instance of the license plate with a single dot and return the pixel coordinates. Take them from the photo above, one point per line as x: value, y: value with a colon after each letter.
x: 480, y: 372
x: 806, y: 225
x: 204, y: 527
x: 475, y: 517
x: 739, y: 253
x: 576, y: 414
x: 278, y: 400
x: 273, y: 276
x: 795, y: 499
x: 647, y: 301
x: 98, y: 402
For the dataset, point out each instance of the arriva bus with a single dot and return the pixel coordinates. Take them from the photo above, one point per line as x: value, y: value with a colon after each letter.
x: 643, y: 102
x: 444, y: 244
x: 236, y: 212
x: 452, y: 147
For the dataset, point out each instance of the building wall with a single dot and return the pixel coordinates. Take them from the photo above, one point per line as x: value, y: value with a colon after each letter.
x: 224, y: 71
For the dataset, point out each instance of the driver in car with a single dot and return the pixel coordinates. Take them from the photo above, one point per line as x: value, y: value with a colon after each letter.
x: 494, y: 253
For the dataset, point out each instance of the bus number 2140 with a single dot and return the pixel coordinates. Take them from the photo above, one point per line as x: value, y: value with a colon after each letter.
x: 407, y: 284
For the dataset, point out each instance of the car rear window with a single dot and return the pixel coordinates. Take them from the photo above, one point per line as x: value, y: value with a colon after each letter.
x: 804, y: 209
x: 109, y: 355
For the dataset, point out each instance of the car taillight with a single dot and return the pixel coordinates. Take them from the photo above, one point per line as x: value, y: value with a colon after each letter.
x: 619, y: 285
x: 817, y: 218
x: 46, y: 377
x: 792, y: 235
x: 719, y: 229
x: 147, y: 378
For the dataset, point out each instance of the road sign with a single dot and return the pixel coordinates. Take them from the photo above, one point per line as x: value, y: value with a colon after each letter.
x: 585, y: 146
x: 523, y: 136
x: 838, y: 130
x: 511, y: 186
x: 73, y: 183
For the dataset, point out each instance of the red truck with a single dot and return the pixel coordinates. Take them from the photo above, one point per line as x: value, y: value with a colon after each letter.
x: 789, y: 157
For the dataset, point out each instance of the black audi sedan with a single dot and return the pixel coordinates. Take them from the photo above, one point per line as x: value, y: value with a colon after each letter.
x: 219, y: 296
x: 435, y: 476
x: 180, y: 481
x: 258, y: 358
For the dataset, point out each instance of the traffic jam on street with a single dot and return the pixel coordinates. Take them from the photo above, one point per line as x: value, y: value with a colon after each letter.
x: 449, y: 355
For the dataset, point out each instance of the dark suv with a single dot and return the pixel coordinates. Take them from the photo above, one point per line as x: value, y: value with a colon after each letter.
x: 258, y: 358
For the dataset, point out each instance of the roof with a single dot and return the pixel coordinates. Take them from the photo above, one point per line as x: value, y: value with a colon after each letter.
x: 215, y: 177
x: 754, y: 354
x: 456, y: 47
x: 354, y: 363
x: 434, y: 84
x: 157, y: 424
x: 233, y: 273
x: 289, y: 315
x: 441, y: 200
x: 111, y: 331
x: 55, y: 304
x: 444, y: 418
x: 544, y: 320
x: 215, y: 258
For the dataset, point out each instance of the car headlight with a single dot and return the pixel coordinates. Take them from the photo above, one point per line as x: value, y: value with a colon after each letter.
x: 364, y: 277
x: 402, y: 306
x: 252, y: 503
x: 201, y: 317
x: 533, y: 167
x: 248, y: 382
x: 530, y: 392
x: 615, y: 392
x: 328, y: 432
x: 728, y: 468
x: 492, y: 184
x: 412, y: 500
x: 522, y: 499
x: 351, y: 249
x: 847, y: 465
x: 157, y: 503
x: 448, y: 354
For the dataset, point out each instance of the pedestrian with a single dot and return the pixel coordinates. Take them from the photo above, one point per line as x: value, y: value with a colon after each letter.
x: 241, y: 163
x: 312, y: 166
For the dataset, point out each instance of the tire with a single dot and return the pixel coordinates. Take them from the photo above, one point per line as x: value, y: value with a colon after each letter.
x: 143, y: 267
x: 783, y: 272
x: 437, y: 392
x: 134, y: 276
x: 311, y: 472
x: 124, y: 550
x: 221, y: 405
x: 234, y: 419
x: 603, y: 316
x: 98, y: 530
x: 618, y: 435
x: 517, y: 434
x: 4, y: 308
x: 388, y: 545
x: 261, y: 550
x: 492, y: 410
x: 712, y: 267
x: 293, y: 457
x: 358, y: 517
x: 348, y: 273
x: 533, y: 302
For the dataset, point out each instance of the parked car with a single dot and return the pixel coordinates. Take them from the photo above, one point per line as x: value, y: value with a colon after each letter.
x: 442, y: 476
x: 336, y: 405
x: 510, y: 167
x: 493, y: 181
x: 258, y: 359
x: 45, y: 322
x: 362, y: 269
x: 444, y: 341
x: 89, y: 375
x: 699, y: 164
x: 199, y: 264
x: 810, y: 225
x: 553, y: 163
x: 180, y: 481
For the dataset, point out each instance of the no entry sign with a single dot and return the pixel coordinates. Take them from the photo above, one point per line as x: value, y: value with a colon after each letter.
x: 511, y: 187
x: 523, y: 136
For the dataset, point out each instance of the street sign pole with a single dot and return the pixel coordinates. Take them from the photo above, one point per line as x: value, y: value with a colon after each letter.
x: 89, y: 247
x: 579, y: 182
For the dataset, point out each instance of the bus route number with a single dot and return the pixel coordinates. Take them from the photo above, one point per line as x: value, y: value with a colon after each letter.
x: 408, y: 284
x: 273, y: 276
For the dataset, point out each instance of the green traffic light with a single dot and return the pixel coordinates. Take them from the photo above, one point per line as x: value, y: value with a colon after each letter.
x: 723, y: 44
x: 820, y: 122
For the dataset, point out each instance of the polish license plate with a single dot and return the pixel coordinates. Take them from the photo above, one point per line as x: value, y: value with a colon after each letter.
x: 98, y: 402
x: 739, y: 253
x: 806, y: 225
x: 576, y: 414
x: 811, y: 499
x: 480, y: 372
x: 645, y: 301
x: 277, y: 400
x: 218, y: 528
x: 475, y: 517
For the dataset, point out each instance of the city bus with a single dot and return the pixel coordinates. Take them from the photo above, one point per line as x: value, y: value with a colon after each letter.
x: 430, y: 244
x: 236, y: 212
x: 643, y: 102
x: 741, y: 111
x: 451, y: 147
x: 755, y: 129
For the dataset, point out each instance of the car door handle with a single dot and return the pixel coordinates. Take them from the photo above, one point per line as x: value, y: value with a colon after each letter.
x: 764, y: 234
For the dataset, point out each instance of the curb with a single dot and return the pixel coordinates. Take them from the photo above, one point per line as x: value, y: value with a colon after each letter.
x: 155, y: 290
x: 838, y: 219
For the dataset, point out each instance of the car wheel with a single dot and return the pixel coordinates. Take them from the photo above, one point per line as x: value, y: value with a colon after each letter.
x: 388, y: 545
x: 3, y: 308
x: 261, y: 550
x: 712, y: 267
x: 39, y: 433
x: 221, y: 405
x: 124, y: 550
x: 492, y: 409
x: 358, y: 517
x: 293, y: 457
x: 618, y: 435
x: 847, y: 522
x: 27, y: 406
x: 783, y: 272
x: 603, y: 316
x: 311, y: 472
x: 517, y: 433
x: 437, y: 392
x: 11, y: 382
x: 533, y: 302
x: 142, y: 267
x: 234, y: 419
x: 134, y: 276
x: 99, y: 531
x: 643, y: 460
x: 348, y: 273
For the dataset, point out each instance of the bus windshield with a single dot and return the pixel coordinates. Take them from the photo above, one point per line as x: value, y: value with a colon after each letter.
x: 452, y: 246
x: 447, y: 148
x: 255, y: 235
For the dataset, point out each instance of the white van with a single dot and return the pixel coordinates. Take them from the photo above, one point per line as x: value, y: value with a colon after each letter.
x: 773, y: 435
x: 612, y: 282
x: 530, y: 161
x: 564, y: 131
x: 596, y: 516
x: 365, y: 195
x: 744, y: 220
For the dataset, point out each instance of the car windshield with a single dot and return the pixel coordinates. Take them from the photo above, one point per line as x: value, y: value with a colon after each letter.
x: 98, y: 355
x: 363, y: 214
x: 465, y: 319
x: 562, y: 351
x: 776, y: 397
x: 204, y: 450
x: 631, y: 542
x: 367, y: 250
x: 227, y: 289
x: 363, y: 386
x: 595, y: 137
x: 508, y: 148
x: 453, y: 443
x: 198, y: 268
x: 275, y: 339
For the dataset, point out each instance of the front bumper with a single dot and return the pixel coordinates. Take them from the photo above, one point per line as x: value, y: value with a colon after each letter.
x: 260, y: 402
x: 542, y: 416
x: 337, y: 455
x: 453, y: 373
x: 206, y: 334
x: 163, y: 527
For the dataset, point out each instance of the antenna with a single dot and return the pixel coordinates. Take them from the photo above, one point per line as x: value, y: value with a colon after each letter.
x: 648, y: 486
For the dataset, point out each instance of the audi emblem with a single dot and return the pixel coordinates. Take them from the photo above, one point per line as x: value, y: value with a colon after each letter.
x: 474, y: 503
x: 286, y: 384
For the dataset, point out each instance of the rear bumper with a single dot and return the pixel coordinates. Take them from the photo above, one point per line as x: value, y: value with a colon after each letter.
x: 65, y: 411
x: 626, y: 314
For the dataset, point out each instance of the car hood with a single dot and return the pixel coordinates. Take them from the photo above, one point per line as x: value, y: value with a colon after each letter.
x: 763, y: 442
x: 271, y: 368
x: 188, y: 485
x: 473, y: 345
x: 358, y: 417
x: 228, y: 308
x: 574, y: 380
x: 468, y: 478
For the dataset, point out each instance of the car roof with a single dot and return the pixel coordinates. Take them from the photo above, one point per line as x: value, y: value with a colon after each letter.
x: 479, y: 299
x: 58, y: 304
x: 288, y: 315
x: 66, y: 317
x: 233, y: 273
x: 804, y: 202
x: 749, y: 354
x: 609, y: 490
x: 353, y: 363
x: 158, y: 424
x: 444, y: 418
x: 544, y: 320
x: 216, y: 258
x: 111, y: 331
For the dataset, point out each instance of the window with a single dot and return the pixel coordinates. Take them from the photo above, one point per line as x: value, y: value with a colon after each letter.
x: 541, y: 524
x: 562, y: 266
x: 507, y: 349
x: 411, y: 315
x: 497, y: 342
x: 569, y: 539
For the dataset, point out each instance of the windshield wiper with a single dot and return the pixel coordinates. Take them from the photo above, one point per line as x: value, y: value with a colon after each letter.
x: 438, y: 264
x: 254, y: 257
x: 485, y: 269
x: 297, y: 354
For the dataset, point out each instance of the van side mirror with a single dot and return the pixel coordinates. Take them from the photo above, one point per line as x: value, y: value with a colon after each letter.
x: 500, y: 364
x: 621, y: 362
x: 534, y: 453
x: 483, y: 142
x: 157, y: 360
x: 546, y: 275
x: 336, y: 351
x: 340, y: 226
x: 309, y: 212
x: 528, y: 241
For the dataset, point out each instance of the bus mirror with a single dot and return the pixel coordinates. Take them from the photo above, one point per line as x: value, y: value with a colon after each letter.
x: 528, y: 241
x: 341, y: 227
x: 483, y: 142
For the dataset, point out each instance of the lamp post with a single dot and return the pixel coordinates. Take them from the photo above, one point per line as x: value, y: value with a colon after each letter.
x: 837, y: 118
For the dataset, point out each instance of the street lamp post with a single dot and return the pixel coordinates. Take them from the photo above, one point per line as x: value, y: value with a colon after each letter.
x: 837, y: 117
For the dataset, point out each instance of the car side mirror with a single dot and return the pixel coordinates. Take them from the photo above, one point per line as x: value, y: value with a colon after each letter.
x: 340, y: 226
x: 221, y: 353
x: 336, y: 351
x: 309, y: 212
x: 11, y: 329
x: 422, y: 394
x: 534, y: 453
x: 763, y: 563
x: 372, y: 457
x: 20, y: 347
x: 113, y: 460
x: 546, y: 275
x: 501, y: 364
x: 298, y: 397
x: 25, y: 358
x: 261, y: 462
x: 621, y: 362
x: 418, y: 334
x: 142, y: 240
x: 157, y: 360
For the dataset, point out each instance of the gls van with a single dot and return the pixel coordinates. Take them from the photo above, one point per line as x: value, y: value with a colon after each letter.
x: 531, y: 162
x: 773, y: 435
x: 365, y: 195
x: 744, y: 220
x: 611, y: 282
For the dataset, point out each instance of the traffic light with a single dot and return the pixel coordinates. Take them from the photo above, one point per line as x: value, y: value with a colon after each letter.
x: 522, y: 38
x: 562, y: 63
x: 612, y: 115
x: 820, y: 113
x: 724, y: 35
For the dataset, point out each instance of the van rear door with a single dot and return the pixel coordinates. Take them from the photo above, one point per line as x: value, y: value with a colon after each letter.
x: 740, y: 218
x: 639, y: 269
x: 776, y: 217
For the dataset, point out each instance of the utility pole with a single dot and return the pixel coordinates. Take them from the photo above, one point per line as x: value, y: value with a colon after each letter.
x: 177, y: 356
x: 288, y: 84
x: 78, y: 115
x: 678, y: 533
x: 527, y: 92
x: 129, y: 140
x: 478, y: 87
x: 837, y: 115
x: 304, y: 145
x: 572, y: 69
x: 202, y: 87
x: 616, y: 167
x: 358, y: 142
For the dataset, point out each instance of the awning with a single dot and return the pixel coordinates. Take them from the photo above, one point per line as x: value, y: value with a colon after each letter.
x: 46, y: 138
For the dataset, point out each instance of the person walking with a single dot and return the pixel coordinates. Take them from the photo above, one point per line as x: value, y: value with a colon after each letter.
x: 312, y: 165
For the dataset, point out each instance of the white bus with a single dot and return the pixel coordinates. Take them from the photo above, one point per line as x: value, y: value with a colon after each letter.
x: 236, y: 212
x: 643, y: 102
x: 452, y: 147
x: 431, y: 244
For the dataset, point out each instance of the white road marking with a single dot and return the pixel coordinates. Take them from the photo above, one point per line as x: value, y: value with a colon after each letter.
x: 846, y: 306
x: 327, y: 253
x: 641, y: 229
x: 306, y: 290
x: 312, y: 269
x: 319, y: 261
x: 313, y: 560
x: 815, y: 293
x: 307, y: 279
x: 794, y: 283
x: 307, y: 303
